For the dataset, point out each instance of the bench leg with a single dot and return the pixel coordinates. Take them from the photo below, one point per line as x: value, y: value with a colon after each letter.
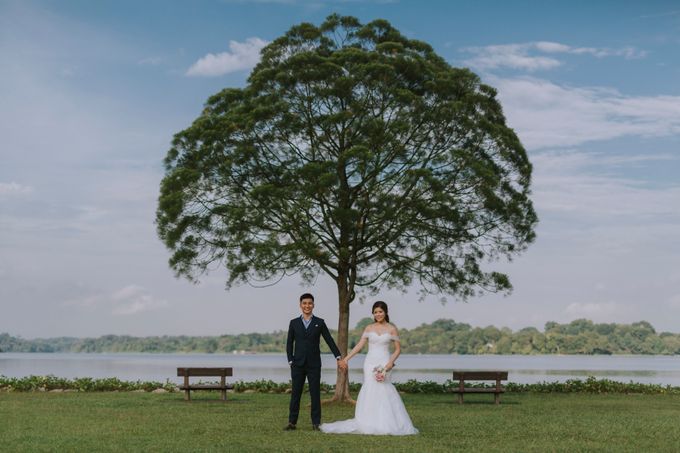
x: 460, y: 398
x: 187, y: 395
x: 223, y: 382
x: 497, y: 395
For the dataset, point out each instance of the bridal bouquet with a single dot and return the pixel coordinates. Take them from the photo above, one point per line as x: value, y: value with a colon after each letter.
x: 379, y: 373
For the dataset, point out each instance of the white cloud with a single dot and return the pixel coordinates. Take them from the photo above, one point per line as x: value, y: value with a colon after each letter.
x: 150, y: 61
x: 526, y: 56
x: 550, y: 115
x: 595, y: 311
x: 13, y: 188
x: 514, y: 56
x: 129, y: 300
x: 241, y: 56
x: 674, y: 302
x: 68, y: 71
x: 546, y: 46
x: 135, y: 299
x: 311, y: 4
x: 575, y: 182
x: 591, y: 310
x: 666, y: 14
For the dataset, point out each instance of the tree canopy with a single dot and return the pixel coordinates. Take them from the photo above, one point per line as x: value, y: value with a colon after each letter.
x: 355, y: 152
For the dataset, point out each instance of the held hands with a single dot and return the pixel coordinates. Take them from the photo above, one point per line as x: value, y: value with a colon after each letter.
x: 342, y: 364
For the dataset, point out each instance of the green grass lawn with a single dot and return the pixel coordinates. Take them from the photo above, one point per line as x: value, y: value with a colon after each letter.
x: 122, y: 421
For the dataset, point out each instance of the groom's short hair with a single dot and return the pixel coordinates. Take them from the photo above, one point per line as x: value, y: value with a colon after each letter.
x: 306, y: 296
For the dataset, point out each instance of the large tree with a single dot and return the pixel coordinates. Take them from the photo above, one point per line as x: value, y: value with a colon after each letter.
x: 354, y: 152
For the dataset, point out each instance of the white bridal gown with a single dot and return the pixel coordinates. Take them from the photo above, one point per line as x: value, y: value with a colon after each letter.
x: 379, y: 408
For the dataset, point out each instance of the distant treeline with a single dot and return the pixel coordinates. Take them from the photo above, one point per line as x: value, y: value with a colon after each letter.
x: 443, y: 336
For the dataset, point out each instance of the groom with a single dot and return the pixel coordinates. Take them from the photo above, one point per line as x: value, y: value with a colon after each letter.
x: 304, y: 359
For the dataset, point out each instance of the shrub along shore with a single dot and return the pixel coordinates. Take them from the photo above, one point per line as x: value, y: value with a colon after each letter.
x: 86, y: 384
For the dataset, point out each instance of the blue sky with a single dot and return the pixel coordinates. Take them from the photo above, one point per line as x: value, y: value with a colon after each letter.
x: 92, y: 92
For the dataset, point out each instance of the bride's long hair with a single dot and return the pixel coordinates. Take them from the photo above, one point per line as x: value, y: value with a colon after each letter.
x: 383, y: 305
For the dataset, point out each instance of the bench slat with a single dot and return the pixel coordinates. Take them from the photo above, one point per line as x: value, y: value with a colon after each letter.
x: 479, y: 390
x: 204, y: 372
x: 207, y: 387
x: 480, y: 375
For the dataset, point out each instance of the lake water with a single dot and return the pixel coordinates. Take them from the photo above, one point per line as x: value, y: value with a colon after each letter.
x: 422, y: 367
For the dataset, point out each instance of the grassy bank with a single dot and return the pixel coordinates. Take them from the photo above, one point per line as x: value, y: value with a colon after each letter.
x: 125, y: 421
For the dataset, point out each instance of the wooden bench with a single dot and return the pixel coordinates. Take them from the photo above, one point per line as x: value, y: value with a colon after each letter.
x: 463, y: 376
x: 205, y: 372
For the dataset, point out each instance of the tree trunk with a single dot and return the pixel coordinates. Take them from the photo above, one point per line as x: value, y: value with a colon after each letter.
x: 342, y: 383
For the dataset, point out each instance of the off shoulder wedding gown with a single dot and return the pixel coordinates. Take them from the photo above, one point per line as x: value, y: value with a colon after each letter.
x: 379, y: 408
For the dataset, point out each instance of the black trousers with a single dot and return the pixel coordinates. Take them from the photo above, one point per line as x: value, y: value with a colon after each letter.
x: 313, y: 376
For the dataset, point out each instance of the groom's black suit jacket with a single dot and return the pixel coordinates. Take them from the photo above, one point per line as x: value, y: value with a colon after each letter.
x: 302, y: 345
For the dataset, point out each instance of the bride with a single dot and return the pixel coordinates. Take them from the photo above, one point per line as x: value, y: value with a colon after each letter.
x: 379, y: 408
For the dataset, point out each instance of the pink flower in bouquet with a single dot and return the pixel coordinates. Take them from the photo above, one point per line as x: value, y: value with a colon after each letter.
x: 379, y: 373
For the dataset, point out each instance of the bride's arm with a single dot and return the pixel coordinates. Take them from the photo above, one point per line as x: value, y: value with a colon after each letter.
x: 359, y: 346
x: 397, y: 350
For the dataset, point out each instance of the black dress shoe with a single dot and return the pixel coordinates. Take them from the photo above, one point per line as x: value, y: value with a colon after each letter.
x: 290, y: 427
x: 315, y: 428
